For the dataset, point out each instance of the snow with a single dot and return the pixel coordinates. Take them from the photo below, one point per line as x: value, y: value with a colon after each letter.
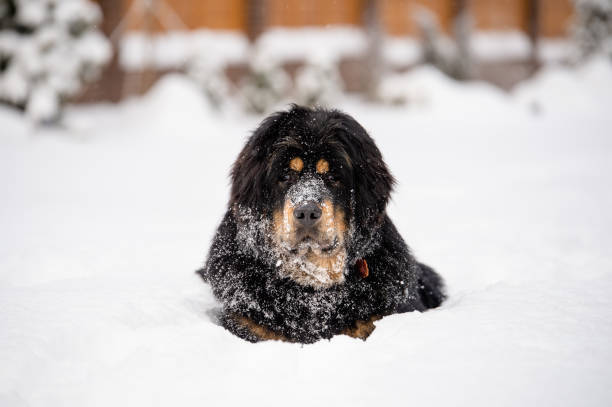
x: 70, y: 11
x: 500, y: 45
x: 325, y: 45
x: 401, y: 51
x: 555, y: 50
x: 31, y: 13
x: 428, y: 89
x: 105, y: 219
x: 176, y: 49
x: 588, y: 86
x: 314, y: 45
x: 44, y: 104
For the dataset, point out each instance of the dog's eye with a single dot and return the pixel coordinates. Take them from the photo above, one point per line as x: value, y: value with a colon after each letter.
x: 332, y: 178
x: 286, y: 177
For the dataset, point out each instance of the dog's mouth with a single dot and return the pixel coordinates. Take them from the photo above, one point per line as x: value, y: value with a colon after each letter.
x: 309, y: 244
x: 314, y: 263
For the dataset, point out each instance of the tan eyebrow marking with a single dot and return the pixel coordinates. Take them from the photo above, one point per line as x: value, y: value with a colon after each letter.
x: 322, y: 166
x: 296, y: 164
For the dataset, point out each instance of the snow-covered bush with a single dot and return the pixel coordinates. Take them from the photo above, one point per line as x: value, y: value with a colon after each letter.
x: 48, y: 50
x: 211, y: 79
x: 318, y: 83
x: 593, y: 26
x: 265, y: 87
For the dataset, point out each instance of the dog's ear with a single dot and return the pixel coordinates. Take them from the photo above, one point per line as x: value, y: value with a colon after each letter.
x: 373, y: 183
x: 249, y: 184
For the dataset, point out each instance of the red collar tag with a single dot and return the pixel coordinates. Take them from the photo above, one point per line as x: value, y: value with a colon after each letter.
x: 362, y: 268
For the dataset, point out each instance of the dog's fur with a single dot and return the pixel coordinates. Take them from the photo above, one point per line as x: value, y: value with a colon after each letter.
x: 277, y: 279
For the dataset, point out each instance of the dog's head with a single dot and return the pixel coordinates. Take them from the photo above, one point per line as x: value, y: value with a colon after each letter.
x: 310, y: 186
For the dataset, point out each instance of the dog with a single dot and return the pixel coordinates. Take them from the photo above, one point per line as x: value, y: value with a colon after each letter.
x: 306, y: 250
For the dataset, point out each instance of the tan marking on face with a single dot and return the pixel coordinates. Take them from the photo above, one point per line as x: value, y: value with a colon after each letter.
x: 296, y: 164
x: 284, y: 226
x: 322, y: 166
x: 340, y: 222
x: 332, y: 219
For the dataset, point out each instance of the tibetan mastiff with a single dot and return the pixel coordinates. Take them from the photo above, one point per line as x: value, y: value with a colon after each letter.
x: 306, y: 250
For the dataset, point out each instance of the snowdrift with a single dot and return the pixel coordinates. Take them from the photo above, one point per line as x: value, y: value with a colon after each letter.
x: 104, y: 222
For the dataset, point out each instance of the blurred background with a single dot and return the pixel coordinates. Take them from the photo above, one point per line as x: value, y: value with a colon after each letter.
x: 261, y: 52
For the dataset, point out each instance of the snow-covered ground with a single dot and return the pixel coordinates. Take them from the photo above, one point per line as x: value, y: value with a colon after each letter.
x: 103, y: 223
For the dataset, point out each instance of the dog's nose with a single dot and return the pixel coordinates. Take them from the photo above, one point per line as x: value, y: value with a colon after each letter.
x: 308, y: 213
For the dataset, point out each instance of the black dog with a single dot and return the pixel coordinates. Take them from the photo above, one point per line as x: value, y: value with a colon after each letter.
x: 306, y: 250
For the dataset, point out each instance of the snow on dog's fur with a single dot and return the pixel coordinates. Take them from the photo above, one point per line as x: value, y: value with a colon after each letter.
x: 305, y: 250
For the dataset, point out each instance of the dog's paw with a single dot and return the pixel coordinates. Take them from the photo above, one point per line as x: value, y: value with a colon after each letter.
x: 362, y: 329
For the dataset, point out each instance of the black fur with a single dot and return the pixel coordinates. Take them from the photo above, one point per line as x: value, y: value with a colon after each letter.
x: 242, y: 272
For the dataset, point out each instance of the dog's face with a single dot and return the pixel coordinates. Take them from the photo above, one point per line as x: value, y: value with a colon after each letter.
x: 309, y: 227
x: 310, y: 184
